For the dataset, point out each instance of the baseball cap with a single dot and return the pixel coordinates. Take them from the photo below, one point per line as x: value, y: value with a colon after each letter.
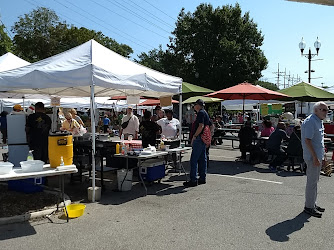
x: 199, y: 102
x: 18, y: 107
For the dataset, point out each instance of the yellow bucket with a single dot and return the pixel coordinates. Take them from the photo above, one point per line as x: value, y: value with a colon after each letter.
x: 60, y: 145
x: 75, y: 210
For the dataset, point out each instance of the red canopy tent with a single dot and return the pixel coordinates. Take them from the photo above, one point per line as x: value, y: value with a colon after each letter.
x: 153, y: 102
x: 248, y: 91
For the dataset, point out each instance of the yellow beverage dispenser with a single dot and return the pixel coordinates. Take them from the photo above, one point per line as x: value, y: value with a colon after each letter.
x: 60, y: 145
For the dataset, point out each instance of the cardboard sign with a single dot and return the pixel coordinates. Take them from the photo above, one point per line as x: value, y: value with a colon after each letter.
x: 165, y: 101
x: 132, y: 99
x: 264, y: 109
x: 55, y: 101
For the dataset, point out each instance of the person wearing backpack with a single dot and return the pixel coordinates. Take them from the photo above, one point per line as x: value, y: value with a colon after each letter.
x: 201, y: 136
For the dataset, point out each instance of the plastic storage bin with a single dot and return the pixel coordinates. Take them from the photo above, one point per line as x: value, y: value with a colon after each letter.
x: 152, y: 170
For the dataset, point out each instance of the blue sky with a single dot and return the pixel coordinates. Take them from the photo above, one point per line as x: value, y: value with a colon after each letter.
x: 144, y: 24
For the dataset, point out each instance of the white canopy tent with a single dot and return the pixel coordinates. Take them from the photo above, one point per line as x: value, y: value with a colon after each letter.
x: 10, y: 61
x: 89, y: 70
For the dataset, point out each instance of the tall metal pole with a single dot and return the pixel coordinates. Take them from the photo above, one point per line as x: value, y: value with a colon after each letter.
x: 92, y: 118
x: 309, y: 65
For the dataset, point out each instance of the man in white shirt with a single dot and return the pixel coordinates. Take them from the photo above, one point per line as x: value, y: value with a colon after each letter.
x: 132, y: 123
x: 170, y: 126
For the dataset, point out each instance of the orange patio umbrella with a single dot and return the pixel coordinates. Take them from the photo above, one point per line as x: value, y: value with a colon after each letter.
x: 247, y: 91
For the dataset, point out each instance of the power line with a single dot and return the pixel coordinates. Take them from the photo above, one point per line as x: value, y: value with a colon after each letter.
x: 160, y: 10
x: 119, y: 5
x: 8, y: 33
x: 114, y: 12
x: 149, y: 46
x: 121, y: 35
x: 151, y: 14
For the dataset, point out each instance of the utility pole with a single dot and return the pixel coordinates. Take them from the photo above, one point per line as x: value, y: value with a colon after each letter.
x: 278, y: 75
x: 284, y: 76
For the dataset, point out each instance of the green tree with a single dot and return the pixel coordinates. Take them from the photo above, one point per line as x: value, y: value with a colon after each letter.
x: 267, y: 85
x: 214, y: 48
x: 40, y: 34
x: 5, y: 41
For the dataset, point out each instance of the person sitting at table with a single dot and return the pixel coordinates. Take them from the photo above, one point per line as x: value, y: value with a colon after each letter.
x: 267, y: 128
x: 148, y: 130
x: 170, y: 127
x: 275, y: 148
x: 130, y: 125
x: 246, y: 135
x: 218, y: 132
x: 295, y: 145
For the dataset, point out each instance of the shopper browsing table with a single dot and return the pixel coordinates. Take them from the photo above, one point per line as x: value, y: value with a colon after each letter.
x: 130, y: 124
x: 313, y: 154
x: 148, y: 130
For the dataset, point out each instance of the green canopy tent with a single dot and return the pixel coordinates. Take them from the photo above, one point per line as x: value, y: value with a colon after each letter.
x: 189, y: 90
x: 305, y: 92
x: 204, y: 98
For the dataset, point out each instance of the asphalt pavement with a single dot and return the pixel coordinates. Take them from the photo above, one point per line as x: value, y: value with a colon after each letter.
x: 240, y: 207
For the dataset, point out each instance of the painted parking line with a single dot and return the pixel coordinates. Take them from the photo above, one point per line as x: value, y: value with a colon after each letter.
x: 246, y: 178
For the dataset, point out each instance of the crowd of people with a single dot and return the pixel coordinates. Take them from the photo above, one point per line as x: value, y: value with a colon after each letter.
x: 305, y: 141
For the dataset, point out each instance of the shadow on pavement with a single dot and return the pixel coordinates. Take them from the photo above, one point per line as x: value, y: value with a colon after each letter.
x: 281, y: 231
x: 16, y: 230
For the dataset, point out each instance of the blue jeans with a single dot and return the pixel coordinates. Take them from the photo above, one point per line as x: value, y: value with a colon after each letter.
x: 198, y: 156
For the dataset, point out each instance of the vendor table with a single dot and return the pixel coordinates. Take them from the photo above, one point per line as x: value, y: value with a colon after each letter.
x: 141, y: 158
x: 18, y: 174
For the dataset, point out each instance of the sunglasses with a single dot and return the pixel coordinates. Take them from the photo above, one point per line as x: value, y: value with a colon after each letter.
x: 324, y: 110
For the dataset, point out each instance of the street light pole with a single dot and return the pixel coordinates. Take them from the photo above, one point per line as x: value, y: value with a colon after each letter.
x: 309, y: 56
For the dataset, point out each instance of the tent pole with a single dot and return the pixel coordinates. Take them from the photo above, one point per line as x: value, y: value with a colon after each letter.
x: 243, y: 109
x: 180, y: 113
x: 92, y: 118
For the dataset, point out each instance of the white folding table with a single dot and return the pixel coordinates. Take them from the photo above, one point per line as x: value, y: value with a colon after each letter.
x: 18, y: 174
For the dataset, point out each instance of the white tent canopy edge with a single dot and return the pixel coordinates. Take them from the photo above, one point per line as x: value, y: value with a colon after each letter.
x: 89, y: 70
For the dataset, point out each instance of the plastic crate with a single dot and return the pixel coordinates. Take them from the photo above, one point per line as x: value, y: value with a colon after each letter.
x: 31, y: 185
x: 152, y: 170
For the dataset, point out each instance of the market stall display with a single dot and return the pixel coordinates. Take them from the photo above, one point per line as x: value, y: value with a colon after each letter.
x: 89, y: 70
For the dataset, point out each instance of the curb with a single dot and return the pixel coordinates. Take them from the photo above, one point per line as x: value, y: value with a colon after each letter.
x: 34, y: 215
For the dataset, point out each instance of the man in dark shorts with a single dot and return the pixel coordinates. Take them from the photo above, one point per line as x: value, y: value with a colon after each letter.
x: 37, y: 128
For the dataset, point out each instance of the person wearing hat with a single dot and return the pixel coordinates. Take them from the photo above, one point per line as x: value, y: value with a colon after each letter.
x: 17, y: 110
x: 130, y: 124
x: 198, y: 159
x: 170, y: 126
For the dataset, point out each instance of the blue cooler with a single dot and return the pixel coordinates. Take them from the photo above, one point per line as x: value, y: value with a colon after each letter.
x: 31, y: 185
x: 152, y: 170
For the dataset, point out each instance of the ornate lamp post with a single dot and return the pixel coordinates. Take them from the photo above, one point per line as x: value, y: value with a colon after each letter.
x: 309, y: 56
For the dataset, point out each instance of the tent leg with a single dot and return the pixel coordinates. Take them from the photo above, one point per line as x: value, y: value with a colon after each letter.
x: 243, y: 109
x: 180, y: 113
x: 92, y: 117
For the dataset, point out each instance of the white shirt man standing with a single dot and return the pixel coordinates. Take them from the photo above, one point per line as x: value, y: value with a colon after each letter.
x: 132, y: 123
